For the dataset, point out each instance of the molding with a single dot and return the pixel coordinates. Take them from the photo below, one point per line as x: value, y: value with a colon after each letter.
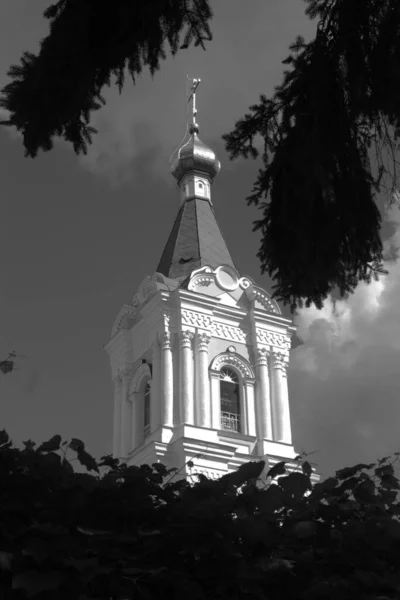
x: 196, y: 319
x: 126, y: 311
x: 142, y: 372
x: 273, y: 339
x: 228, y: 332
x: 233, y: 360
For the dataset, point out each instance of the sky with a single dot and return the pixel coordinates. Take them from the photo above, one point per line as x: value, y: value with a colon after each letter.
x: 79, y: 234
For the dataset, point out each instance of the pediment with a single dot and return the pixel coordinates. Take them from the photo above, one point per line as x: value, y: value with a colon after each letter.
x: 226, y: 284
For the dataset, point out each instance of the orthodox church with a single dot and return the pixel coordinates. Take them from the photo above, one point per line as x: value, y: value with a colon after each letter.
x: 199, y: 355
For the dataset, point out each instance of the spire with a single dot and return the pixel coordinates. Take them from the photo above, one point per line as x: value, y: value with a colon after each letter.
x: 194, y: 155
x: 195, y: 240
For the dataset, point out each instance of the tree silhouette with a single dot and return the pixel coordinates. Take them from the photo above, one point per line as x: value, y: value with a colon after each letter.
x: 338, y: 104
x: 142, y: 532
x: 91, y: 41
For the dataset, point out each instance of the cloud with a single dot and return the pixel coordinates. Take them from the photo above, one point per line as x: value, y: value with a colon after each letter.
x: 11, y: 131
x: 345, y: 376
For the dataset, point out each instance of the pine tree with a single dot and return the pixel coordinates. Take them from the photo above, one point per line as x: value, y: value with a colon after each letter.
x: 339, y: 99
x: 339, y: 102
x: 90, y: 42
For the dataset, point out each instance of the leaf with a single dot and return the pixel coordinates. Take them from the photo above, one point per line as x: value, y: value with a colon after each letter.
x: 278, y: 469
x: 82, y: 564
x: 295, y: 484
x: 50, y: 529
x: 250, y: 470
x: 385, y: 470
x: 270, y: 500
x: 90, y: 531
x: 38, y: 548
x: 365, y: 492
x: 307, y: 468
x: 278, y: 564
x: 5, y: 561
x: 29, y: 445
x: 390, y: 482
x: 350, y: 471
x: 35, y: 582
x: 87, y: 461
x: 305, y: 529
x: 76, y: 445
x: 109, y: 461
x: 4, y: 437
x: 51, y: 445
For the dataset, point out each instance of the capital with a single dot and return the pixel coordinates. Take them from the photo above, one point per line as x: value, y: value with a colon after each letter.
x: 166, y: 340
x: 186, y: 338
x: 203, y: 339
x: 125, y: 374
x: 280, y: 361
x: 262, y: 355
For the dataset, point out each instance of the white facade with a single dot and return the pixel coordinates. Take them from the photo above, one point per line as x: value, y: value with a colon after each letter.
x: 199, y: 356
x: 178, y: 344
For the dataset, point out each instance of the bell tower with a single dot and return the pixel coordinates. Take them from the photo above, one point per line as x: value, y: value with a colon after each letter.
x: 199, y: 355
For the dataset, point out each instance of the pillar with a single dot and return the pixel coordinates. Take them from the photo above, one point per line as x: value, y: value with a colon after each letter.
x: 167, y: 382
x: 126, y: 415
x: 263, y: 397
x: 155, y: 398
x: 117, y: 417
x: 186, y: 400
x: 202, y: 380
x: 134, y: 399
x: 250, y: 407
x: 280, y: 401
x: 215, y: 399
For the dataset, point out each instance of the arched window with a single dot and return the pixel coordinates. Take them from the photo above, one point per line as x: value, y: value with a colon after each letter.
x: 146, y: 410
x: 230, y: 400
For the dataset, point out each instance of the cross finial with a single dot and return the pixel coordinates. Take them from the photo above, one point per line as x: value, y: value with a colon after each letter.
x: 192, y: 97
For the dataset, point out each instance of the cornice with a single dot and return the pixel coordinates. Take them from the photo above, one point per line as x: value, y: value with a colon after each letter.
x: 272, y: 319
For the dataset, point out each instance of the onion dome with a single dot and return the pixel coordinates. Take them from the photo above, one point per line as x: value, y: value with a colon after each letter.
x: 195, y: 156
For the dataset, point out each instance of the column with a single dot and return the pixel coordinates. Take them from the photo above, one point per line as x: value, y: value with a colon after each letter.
x: 202, y: 380
x: 117, y: 417
x: 280, y: 401
x: 263, y: 397
x: 134, y: 398
x: 215, y: 399
x: 126, y: 415
x: 155, y: 398
x: 167, y: 381
x: 251, y: 408
x: 186, y: 400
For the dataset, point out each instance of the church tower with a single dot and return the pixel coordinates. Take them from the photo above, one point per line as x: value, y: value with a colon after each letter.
x: 199, y: 355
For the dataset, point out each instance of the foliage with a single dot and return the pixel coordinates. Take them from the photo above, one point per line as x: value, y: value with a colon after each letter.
x: 91, y: 41
x: 339, y: 102
x: 137, y: 532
